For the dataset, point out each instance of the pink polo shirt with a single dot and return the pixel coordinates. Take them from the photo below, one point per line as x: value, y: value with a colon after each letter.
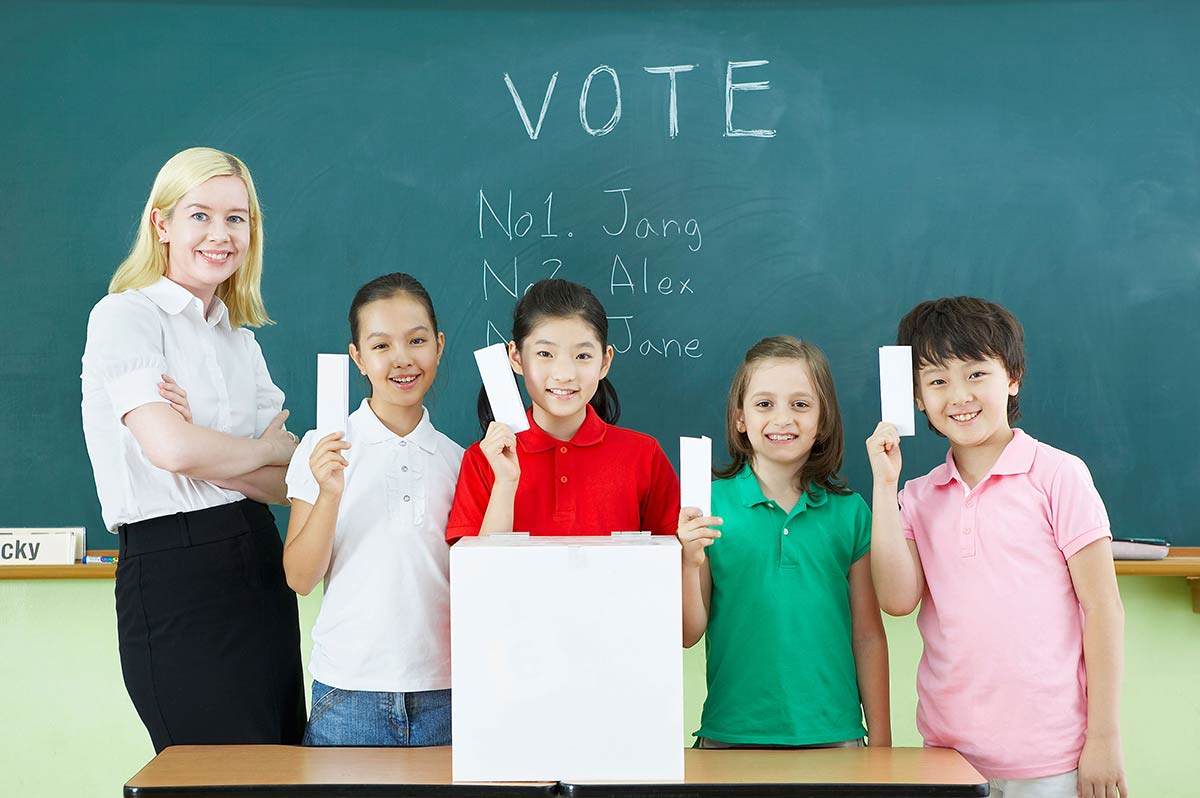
x: 1002, y: 677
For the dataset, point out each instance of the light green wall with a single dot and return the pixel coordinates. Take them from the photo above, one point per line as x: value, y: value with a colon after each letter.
x: 67, y: 728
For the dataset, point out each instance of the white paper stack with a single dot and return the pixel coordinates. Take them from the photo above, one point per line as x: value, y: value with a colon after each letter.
x: 333, y: 394
x: 500, y: 384
x: 695, y: 473
x: 896, y: 388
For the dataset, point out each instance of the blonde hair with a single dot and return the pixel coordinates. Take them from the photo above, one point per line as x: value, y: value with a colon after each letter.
x: 147, y: 259
x: 825, y: 460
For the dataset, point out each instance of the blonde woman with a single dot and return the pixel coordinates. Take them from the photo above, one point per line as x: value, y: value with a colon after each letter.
x: 185, y: 432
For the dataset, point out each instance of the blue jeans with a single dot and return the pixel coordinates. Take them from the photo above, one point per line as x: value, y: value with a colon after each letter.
x: 364, y: 717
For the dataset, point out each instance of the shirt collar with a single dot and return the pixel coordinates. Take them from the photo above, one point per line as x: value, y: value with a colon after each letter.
x: 536, y: 439
x: 173, y: 298
x: 1017, y: 458
x: 373, y: 431
x: 751, y: 492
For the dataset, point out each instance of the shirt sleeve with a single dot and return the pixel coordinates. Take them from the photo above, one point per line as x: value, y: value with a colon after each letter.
x: 124, y: 353
x: 268, y: 397
x: 660, y: 504
x: 1077, y: 512
x: 471, y: 495
x: 862, y: 528
x: 301, y: 484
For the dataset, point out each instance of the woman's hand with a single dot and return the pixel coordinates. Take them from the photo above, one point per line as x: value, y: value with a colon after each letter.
x: 171, y: 391
x: 499, y: 446
x: 282, y: 442
x: 696, y: 534
x: 328, y: 465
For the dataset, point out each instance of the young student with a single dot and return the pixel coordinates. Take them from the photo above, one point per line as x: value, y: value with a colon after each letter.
x: 1006, y: 546
x: 207, y: 628
x: 573, y: 472
x: 796, y: 647
x: 368, y: 516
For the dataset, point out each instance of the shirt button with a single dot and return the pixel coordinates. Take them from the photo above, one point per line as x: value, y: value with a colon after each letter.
x: 403, y: 468
x: 562, y: 480
x: 971, y: 503
x: 966, y: 530
x: 563, y: 450
x: 406, y: 497
x: 404, y: 443
x: 785, y: 531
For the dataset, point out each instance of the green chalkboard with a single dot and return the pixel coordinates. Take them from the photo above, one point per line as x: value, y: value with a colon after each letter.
x: 1043, y: 154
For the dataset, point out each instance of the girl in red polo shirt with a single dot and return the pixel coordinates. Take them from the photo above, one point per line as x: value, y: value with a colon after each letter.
x: 572, y: 472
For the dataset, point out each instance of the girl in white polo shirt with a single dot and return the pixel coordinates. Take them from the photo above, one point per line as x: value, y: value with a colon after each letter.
x: 369, y: 516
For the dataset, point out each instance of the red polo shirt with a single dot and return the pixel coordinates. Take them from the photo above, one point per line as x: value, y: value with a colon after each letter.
x: 605, y: 479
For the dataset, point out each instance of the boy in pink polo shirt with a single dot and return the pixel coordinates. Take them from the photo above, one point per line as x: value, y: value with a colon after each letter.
x: 1006, y: 546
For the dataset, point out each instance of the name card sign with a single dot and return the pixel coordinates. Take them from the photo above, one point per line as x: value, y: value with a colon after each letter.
x: 40, y: 546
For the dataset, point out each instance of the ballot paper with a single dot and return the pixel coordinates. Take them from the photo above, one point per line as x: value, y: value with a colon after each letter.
x: 695, y: 473
x: 896, y: 388
x: 501, y: 387
x: 333, y: 393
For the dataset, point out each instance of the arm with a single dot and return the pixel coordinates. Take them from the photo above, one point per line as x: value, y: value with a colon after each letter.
x: 896, y: 566
x: 174, y: 445
x: 1101, y: 764
x: 499, y: 446
x: 308, y: 548
x: 696, y: 534
x: 870, y: 653
x: 264, y: 485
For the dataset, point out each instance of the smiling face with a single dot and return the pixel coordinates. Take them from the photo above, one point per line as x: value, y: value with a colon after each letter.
x: 563, y: 362
x: 398, y: 351
x: 780, y: 412
x: 967, y: 400
x: 207, y: 234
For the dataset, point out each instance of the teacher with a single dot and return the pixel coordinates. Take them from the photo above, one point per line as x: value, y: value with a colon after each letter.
x: 185, y: 432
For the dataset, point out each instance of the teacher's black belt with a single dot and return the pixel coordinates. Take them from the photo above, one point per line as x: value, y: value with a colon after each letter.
x: 195, y: 528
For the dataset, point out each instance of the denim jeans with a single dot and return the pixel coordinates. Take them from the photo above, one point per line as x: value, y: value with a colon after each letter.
x: 363, y: 717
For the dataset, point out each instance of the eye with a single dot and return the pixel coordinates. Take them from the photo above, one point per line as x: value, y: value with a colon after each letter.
x: 800, y: 404
x: 542, y: 353
x: 762, y: 404
x: 975, y: 374
x: 380, y: 346
x: 584, y: 356
x: 416, y: 342
x: 200, y: 216
x: 937, y: 381
x: 235, y: 219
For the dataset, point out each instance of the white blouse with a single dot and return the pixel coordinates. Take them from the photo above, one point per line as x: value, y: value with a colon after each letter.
x: 384, y: 623
x: 135, y: 337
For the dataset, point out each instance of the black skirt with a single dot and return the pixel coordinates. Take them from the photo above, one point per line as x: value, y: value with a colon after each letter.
x: 208, y: 629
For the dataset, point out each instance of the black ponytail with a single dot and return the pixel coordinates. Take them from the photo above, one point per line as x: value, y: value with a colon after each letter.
x: 560, y: 299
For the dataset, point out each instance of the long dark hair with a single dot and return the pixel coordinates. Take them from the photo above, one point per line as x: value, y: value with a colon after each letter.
x: 825, y: 459
x: 560, y: 299
x: 387, y: 286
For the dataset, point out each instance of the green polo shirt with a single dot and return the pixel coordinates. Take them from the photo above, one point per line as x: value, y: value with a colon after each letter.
x: 780, y: 663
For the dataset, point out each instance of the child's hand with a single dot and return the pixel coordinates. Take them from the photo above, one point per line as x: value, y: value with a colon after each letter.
x: 695, y: 533
x: 883, y: 450
x: 1101, y: 769
x: 328, y: 466
x: 169, y: 389
x: 499, y: 446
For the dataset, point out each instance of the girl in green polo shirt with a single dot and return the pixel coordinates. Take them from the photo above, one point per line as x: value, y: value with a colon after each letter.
x: 796, y: 649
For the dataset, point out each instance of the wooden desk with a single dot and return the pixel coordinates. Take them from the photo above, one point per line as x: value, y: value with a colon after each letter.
x: 812, y: 773
x: 263, y: 771
x: 237, y: 771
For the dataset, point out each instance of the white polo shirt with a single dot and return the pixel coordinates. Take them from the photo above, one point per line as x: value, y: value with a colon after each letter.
x: 135, y: 337
x: 384, y: 623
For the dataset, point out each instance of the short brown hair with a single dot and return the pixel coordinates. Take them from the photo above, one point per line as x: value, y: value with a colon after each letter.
x: 825, y: 459
x: 965, y: 328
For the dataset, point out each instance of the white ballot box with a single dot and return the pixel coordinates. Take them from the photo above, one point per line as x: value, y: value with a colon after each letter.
x: 567, y: 658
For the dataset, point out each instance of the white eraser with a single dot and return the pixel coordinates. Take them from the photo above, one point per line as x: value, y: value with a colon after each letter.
x: 695, y: 473
x: 333, y: 394
x: 896, y: 388
x: 501, y: 386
